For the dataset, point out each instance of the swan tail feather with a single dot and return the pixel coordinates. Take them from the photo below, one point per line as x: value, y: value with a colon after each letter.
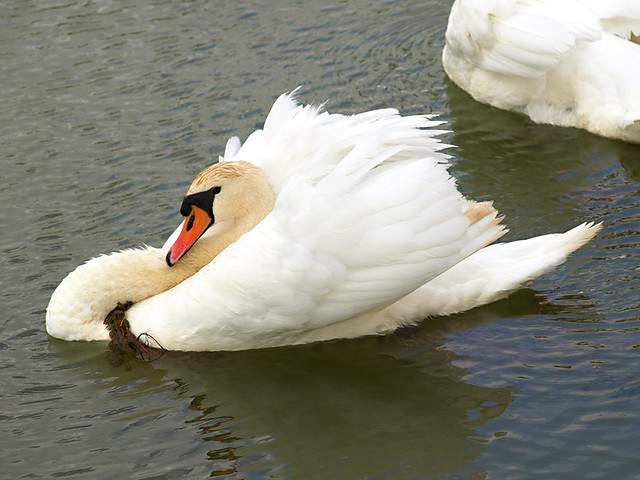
x: 490, y: 274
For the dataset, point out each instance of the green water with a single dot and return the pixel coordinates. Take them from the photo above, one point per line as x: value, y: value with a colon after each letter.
x: 109, y: 108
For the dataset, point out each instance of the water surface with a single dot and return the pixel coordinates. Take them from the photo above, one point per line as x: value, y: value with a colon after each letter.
x: 109, y: 110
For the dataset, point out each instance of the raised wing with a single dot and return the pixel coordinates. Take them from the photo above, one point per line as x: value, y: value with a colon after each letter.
x: 368, y: 214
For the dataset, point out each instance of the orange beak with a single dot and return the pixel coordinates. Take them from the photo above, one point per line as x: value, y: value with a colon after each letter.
x: 196, y: 223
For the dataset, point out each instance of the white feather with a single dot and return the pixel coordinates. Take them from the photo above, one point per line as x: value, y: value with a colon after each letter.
x: 567, y: 62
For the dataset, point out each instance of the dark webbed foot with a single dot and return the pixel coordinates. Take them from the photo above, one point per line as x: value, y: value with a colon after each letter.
x: 123, y: 341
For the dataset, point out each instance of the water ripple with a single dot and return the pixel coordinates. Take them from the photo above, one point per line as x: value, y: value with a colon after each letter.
x: 109, y: 110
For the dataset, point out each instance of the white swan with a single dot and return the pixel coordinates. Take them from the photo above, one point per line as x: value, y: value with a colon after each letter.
x: 320, y: 226
x: 574, y: 63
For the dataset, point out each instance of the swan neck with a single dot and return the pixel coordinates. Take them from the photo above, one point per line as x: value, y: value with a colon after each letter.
x: 81, y: 302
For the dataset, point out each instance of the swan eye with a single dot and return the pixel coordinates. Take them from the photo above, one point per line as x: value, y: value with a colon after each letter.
x: 216, y: 190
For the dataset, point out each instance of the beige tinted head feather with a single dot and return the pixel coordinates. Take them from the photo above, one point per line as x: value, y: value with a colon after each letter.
x: 221, y: 171
x: 224, y: 201
x: 241, y: 189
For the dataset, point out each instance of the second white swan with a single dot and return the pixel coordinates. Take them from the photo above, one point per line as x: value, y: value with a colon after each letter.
x: 574, y: 63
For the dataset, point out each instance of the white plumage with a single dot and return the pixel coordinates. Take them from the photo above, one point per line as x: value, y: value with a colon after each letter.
x: 365, y: 213
x: 573, y: 63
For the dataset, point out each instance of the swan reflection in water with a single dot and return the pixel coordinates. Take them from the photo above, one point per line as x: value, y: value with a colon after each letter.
x: 396, y: 405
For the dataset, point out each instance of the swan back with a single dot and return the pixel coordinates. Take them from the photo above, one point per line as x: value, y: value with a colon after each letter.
x: 365, y: 213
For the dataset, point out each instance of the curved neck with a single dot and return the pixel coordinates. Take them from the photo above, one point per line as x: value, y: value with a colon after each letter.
x: 83, y: 299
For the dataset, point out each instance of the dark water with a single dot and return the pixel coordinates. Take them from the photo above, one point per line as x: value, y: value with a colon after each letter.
x: 109, y: 108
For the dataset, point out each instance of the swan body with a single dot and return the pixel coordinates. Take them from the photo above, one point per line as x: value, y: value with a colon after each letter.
x: 573, y: 63
x: 319, y: 226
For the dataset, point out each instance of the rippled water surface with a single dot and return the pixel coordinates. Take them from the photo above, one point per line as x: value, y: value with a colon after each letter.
x: 109, y: 108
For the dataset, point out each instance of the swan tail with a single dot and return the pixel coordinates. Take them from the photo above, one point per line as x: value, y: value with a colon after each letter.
x: 490, y: 274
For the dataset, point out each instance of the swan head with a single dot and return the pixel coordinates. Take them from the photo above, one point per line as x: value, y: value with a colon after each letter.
x: 236, y: 194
